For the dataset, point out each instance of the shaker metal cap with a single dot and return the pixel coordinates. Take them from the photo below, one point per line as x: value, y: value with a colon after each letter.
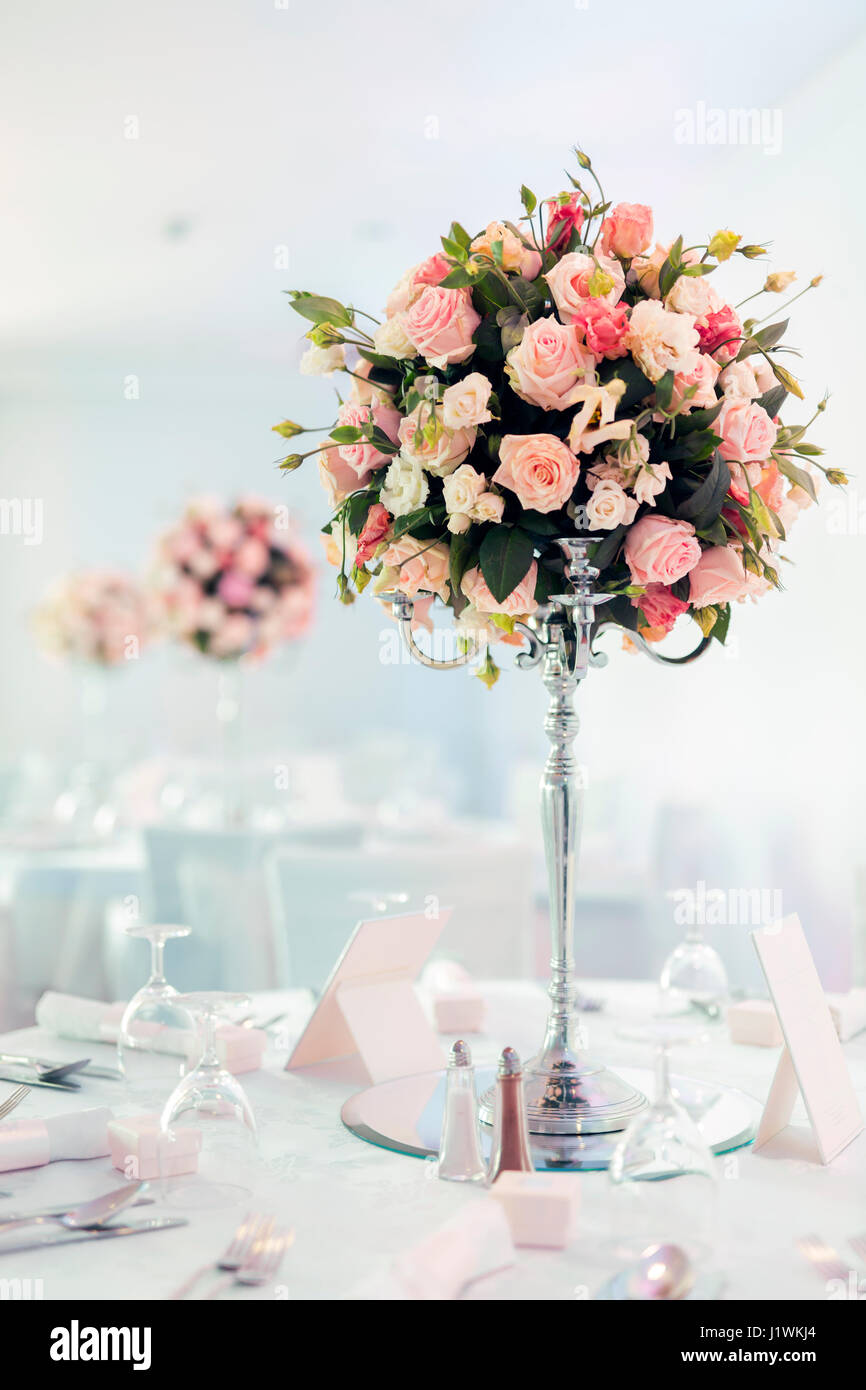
x: 460, y: 1055
x: 509, y: 1063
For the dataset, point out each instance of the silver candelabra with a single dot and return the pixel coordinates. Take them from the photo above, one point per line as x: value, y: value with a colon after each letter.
x: 567, y: 1091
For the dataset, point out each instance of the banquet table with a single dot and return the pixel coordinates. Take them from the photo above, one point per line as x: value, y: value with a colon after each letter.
x: 355, y: 1206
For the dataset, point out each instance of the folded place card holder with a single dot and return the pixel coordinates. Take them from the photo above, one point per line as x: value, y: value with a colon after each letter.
x: 812, y: 1061
x: 369, y: 1006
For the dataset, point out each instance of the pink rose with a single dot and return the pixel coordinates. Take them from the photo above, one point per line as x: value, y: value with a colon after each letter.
x: 373, y: 532
x: 419, y: 565
x: 549, y: 364
x: 363, y: 456
x: 703, y: 377
x: 440, y: 324
x: 252, y: 557
x: 235, y: 589
x: 718, y: 577
x: 604, y: 326
x: 565, y: 215
x: 748, y: 434
x: 539, y: 468
x: 520, y: 600
x: 771, y: 486
x: 660, y: 607
x: 627, y: 230
x: 569, y: 279
x: 516, y: 257
x: 660, y: 550
x: 339, y: 478
x: 721, y: 334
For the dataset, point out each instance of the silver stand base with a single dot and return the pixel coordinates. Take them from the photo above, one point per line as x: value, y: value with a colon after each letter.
x: 577, y: 1096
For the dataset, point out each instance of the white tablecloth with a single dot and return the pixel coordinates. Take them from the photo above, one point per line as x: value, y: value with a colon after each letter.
x: 355, y: 1206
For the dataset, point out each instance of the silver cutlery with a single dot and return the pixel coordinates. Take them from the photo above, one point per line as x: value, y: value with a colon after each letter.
x: 262, y: 1263
x: 136, y: 1228
x: 15, y: 1098
x: 48, y: 1071
x: 39, y: 1081
x: 44, y: 1212
x: 234, y: 1257
x: 823, y: 1258
x: 88, y: 1214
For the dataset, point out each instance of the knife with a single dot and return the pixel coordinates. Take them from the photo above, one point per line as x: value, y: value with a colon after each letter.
x: 63, y: 1237
x: 23, y: 1080
x: 41, y: 1212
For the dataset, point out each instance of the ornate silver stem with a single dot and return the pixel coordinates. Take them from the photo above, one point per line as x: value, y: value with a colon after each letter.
x: 567, y: 1092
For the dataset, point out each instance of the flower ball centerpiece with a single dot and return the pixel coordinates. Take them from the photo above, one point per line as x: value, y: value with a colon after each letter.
x: 234, y: 580
x: 99, y: 618
x: 562, y: 424
x: 566, y: 375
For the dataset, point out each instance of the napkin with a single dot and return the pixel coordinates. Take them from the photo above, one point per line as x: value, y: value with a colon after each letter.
x: 88, y: 1020
x: 848, y: 1012
x: 30, y: 1143
x: 474, y: 1243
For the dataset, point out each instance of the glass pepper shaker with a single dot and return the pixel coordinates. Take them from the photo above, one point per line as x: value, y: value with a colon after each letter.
x: 460, y: 1158
x: 510, y: 1149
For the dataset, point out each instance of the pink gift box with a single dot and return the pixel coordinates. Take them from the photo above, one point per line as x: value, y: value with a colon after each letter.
x: 459, y: 1009
x: 141, y: 1151
x: 754, y: 1021
x: 541, y: 1207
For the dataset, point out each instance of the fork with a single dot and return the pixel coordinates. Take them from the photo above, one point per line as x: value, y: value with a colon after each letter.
x: 823, y: 1258
x: 9, y: 1104
x: 233, y: 1258
x: 265, y: 1258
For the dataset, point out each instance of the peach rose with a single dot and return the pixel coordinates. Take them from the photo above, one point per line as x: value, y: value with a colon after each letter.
x: 425, y: 440
x: 440, y: 323
x: 539, y: 468
x: 520, y: 600
x: 569, y: 279
x: 415, y: 565
x: 693, y: 294
x: 660, y: 341
x: 739, y: 379
x: 339, y: 478
x: 627, y: 230
x: 549, y: 364
x: 609, y: 506
x: 718, y: 577
x: 407, y: 289
x: 660, y: 550
x: 465, y: 403
x: 519, y: 259
x: 645, y: 269
x: 748, y: 434
x: 363, y: 456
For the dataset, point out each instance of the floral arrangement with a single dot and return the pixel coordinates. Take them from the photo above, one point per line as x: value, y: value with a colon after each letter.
x: 233, y: 580
x: 102, y: 617
x: 565, y: 375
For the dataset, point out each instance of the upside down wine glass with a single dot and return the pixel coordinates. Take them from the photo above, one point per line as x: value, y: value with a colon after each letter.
x: 211, y: 1100
x: 662, y: 1182
x: 150, y: 1041
x: 693, y: 978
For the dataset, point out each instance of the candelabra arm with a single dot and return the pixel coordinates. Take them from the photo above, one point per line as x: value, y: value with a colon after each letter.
x: 600, y: 658
x: 403, y: 608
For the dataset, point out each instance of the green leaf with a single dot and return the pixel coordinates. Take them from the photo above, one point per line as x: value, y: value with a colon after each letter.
x: 772, y: 400
x: 665, y: 391
x: 528, y: 199
x: 705, y: 503
x: 697, y: 419
x: 453, y: 248
x: 795, y: 474
x: 418, y: 520
x: 547, y: 583
x: 607, y: 549
x: 357, y: 507
x: 505, y: 556
x: 456, y: 279
x: 318, y: 309
x: 460, y: 235
x: 637, y: 386
x: 539, y: 524
x: 461, y: 559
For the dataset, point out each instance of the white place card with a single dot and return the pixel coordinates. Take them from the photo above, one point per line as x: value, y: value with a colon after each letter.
x: 812, y: 1059
x: 369, y: 1006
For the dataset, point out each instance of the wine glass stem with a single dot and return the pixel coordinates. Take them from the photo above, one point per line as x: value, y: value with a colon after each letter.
x: 211, y: 1056
x: 663, y: 1085
x: 157, y: 967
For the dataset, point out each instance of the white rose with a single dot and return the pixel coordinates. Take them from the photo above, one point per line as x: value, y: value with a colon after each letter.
x: 323, y: 361
x: 463, y: 488
x: 489, y: 507
x: 650, y: 482
x: 475, y: 627
x: 608, y: 506
x: 465, y: 403
x: 693, y: 294
x: 739, y: 379
x: 660, y: 341
x: 390, y: 338
x: 458, y: 522
x: 405, y: 488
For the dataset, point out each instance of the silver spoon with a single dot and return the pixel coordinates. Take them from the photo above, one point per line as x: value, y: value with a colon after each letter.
x: 48, y: 1071
x: 89, y: 1215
